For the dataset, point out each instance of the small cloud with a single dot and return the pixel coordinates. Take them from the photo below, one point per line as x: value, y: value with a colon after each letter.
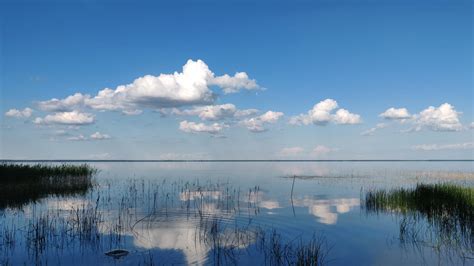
x: 371, y: 131
x: 257, y: 124
x: 291, y: 151
x: 99, y: 136
x: 25, y: 113
x: 396, y: 114
x: 77, y: 138
x: 322, y: 114
x: 437, y: 147
x: 240, y: 81
x: 66, y: 118
x: 322, y: 150
x: 192, y: 127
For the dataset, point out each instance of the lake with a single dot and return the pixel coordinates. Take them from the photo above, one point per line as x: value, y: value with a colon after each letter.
x: 247, y: 213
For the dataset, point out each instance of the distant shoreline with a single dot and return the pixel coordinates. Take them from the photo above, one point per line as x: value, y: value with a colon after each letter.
x: 230, y: 161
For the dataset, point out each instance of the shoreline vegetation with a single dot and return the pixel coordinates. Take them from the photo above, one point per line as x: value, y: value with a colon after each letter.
x: 21, y: 184
x: 447, y: 208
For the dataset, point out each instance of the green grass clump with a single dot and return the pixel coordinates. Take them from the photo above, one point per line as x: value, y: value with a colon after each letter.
x: 24, y: 172
x: 21, y: 184
x: 448, y: 208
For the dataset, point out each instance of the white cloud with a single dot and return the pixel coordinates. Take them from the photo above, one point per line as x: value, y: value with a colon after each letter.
x: 99, y: 136
x: 371, y: 131
x: 436, y: 147
x: 94, y: 136
x: 322, y: 114
x: 344, y: 117
x: 236, y: 83
x: 291, y: 151
x: 189, y: 87
x: 66, y: 118
x: 77, y: 138
x: 192, y: 127
x: 257, y: 124
x: 210, y: 112
x: 395, y: 113
x: 322, y: 150
x: 471, y: 125
x: 67, y: 104
x: 442, y: 118
x: 25, y: 113
x: 245, y: 112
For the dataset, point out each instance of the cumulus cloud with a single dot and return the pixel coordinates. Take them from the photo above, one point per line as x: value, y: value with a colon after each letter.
x: 257, y: 124
x: 66, y: 118
x: 236, y: 83
x: 371, y: 131
x: 322, y: 114
x: 25, y: 113
x: 63, y: 105
x: 395, y: 113
x: 189, y: 87
x: 442, y: 118
x: 436, y: 147
x: 215, y: 112
x: 471, y: 125
x: 192, y: 127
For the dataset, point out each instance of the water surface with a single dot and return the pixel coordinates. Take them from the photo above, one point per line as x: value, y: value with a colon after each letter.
x: 215, y: 212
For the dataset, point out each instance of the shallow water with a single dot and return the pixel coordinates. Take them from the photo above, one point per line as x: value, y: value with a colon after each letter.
x: 215, y: 212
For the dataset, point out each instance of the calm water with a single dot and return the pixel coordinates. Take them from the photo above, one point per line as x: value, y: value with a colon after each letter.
x: 174, y: 213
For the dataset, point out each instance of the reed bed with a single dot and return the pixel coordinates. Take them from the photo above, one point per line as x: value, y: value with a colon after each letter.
x: 448, y: 209
x: 21, y: 184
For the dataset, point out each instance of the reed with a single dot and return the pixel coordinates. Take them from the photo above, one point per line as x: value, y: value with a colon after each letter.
x: 448, y: 209
x: 21, y: 184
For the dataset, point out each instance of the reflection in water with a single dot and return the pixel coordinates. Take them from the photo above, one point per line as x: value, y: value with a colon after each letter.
x: 327, y: 210
x: 213, y: 213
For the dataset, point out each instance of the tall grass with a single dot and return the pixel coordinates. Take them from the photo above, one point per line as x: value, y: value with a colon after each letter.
x: 448, y: 209
x: 21, y: 184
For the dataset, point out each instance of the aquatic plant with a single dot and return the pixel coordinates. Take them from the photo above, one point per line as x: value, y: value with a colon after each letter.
x: 21, y: 184
x: 448, y: 209
x: 34, y: 172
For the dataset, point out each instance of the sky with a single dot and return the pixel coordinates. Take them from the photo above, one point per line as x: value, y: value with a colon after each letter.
x: 349, y: 79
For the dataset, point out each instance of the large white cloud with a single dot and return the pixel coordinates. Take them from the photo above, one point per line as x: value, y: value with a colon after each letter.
x: 257, y: 124
x: 66, y: 118
x: 442, y: 118
x: 322, y: 114
x: 193, y: 127
x: 25, y: 113
x: 189, y: 87
x: 395, y: 113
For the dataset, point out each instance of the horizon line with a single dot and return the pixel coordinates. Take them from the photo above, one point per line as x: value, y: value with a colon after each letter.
x: 237, y: 160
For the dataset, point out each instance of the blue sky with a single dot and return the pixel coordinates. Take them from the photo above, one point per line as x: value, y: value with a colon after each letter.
x: 357, y: 59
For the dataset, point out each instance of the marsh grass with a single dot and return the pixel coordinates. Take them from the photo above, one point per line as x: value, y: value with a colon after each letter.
x: 105, y: 219
x: 21, y: 184
x: 448, y: 209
